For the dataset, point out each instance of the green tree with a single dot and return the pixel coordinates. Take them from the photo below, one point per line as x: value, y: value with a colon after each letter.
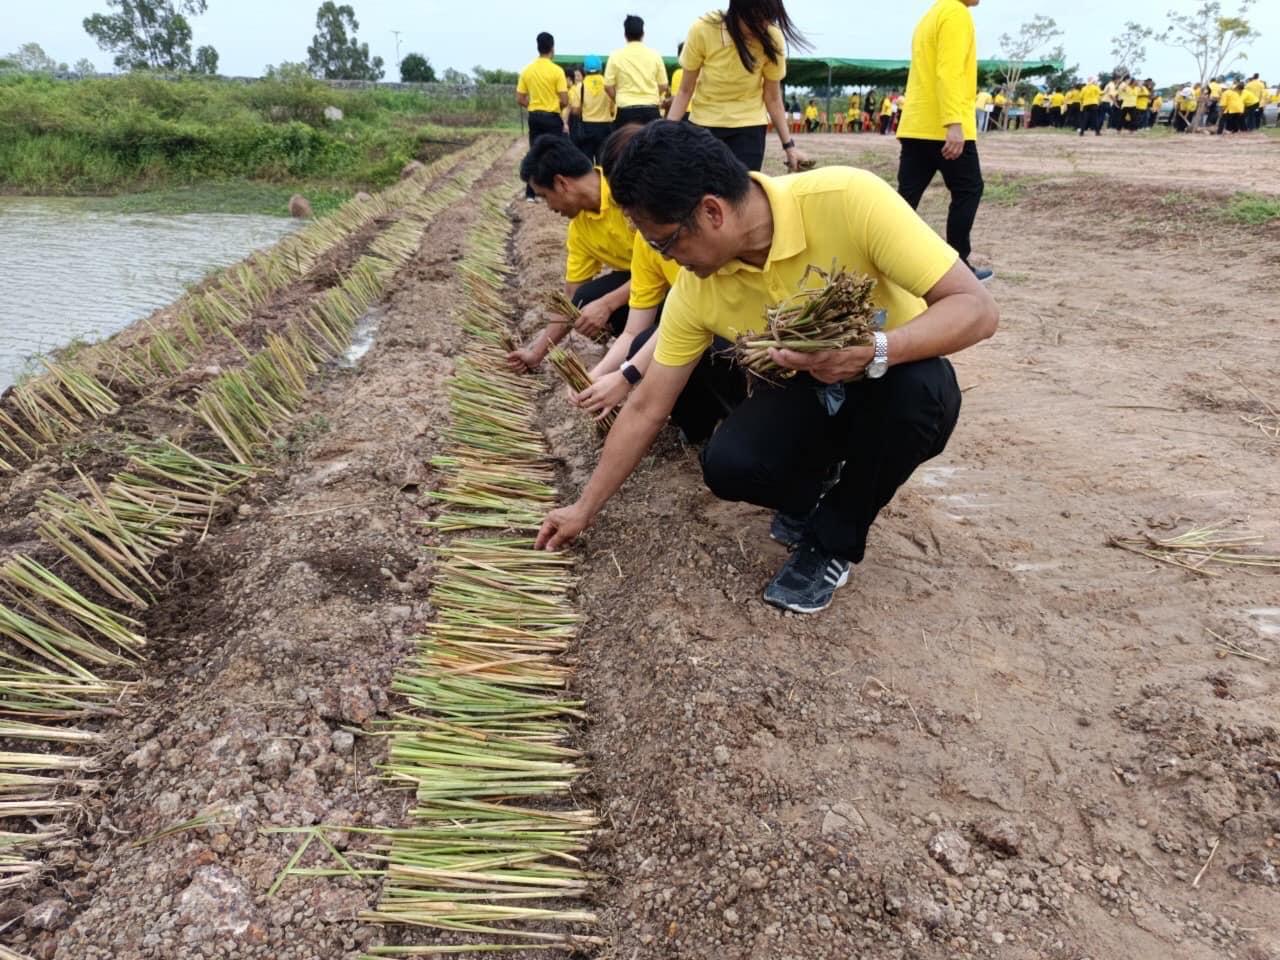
x: 206, y: 61
x: 1129, y: 47
x: 1023, y: 46
x: 456, y: 77
x: 31, y: 58
x: 508, y: 77
x: 335, y: 53
x: 147, y: 34
x: 84, y: 67
x: 1214, y: 40
x: 415, y: 68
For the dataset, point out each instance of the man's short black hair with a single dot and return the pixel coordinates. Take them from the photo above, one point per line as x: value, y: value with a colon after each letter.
x: 546, y: 43
x: 633, y: 27
x: 552, y: 154
x: 668, y: 167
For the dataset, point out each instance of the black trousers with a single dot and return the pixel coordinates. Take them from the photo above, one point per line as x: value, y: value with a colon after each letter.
x: 919, y: 160
x: 1090, y: 119
x: 780, y: 443
x: 746, y: 143
x: 542, y: 122
x: 596, y: 288
x: 627, y: 115
x: 592, y: 136
x: 715, y: 388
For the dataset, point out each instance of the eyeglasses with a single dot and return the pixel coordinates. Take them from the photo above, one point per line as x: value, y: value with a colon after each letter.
x: 668, y: 243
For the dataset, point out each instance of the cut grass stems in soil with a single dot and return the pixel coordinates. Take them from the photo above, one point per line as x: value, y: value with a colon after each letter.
x: 117, y: 531
x: 835, y: 315
x: 573, y: 372
x: 563, y: 308
x: 1199, y: 547
x: 493, y: 857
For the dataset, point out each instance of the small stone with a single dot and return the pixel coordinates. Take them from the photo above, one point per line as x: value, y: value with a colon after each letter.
x: 344, y: 742
x: 299, y: 207
x: 951, y: 850
x: 731, y: 917
x: 275, y: 759
x: 720, y: 755
x: 824, y: 922
x: 145, y: 757
x: 754, y: 878
x: 997, y: 937
x: 48, y: 914
x: 1000, y: 835
x: 1110, y: 873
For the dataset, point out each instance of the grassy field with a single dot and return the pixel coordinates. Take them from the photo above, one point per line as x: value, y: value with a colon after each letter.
x: 198, y: 144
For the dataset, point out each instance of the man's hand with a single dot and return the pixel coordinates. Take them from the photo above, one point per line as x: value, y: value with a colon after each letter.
x: 594, y: 316
x: 524, y: 359
x: 953, y: 146
x: 561, y: 526
x: 827, y: 366
x: 797, y: 160
x: 603, y: 395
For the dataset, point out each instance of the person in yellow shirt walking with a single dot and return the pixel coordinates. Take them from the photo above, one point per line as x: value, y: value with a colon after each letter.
x: 1071, y: 108
x: 599, y: 238
x: 1253, y: 95
x: 543, y: 89
x: 1056, y: 100
x: 1233, y: 108
x: 828, y: 448
x: 937, y: 132
x: 736, y: 60
x: 597, y: 110
x: 1090, y: 100
x: 635, y: 77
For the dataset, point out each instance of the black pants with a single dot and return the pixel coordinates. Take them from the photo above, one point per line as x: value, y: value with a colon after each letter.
x: 592, y: 136
x: 746, y: 143
x: 597, y: 288
x: 1090, y: 119
x: 627, y: 115
x: 542, y: 122
x: 780, y: 443
x: 715, y: 388
x: 1234, y: 122
x: 885, y: 120
x: 920, y: 160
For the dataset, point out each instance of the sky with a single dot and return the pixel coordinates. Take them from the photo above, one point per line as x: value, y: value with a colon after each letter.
x: 249, y: 34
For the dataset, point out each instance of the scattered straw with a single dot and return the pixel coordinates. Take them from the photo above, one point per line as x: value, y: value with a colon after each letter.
x: 1195, y: 549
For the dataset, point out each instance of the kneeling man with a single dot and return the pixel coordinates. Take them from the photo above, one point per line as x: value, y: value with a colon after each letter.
x: 829, y: 447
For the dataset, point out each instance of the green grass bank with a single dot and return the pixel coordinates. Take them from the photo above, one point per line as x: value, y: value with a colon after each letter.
x: 141, y: 142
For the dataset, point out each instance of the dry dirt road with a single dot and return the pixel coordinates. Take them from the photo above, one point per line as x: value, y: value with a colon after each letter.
x: 1005, y: 739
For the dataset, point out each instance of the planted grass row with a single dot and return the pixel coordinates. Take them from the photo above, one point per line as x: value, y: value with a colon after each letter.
x: 493, y: 859
x: 59, y: 642
x: 53, y: 406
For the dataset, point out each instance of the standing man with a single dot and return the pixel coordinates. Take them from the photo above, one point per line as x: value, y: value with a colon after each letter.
x: 597, y: 110
x: 745, y: 241
x: 543, y: 90
x: 635, y: 77
x: 937, y: 132
x: 1090, y: 101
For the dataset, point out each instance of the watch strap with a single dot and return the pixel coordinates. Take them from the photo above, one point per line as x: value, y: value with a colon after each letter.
x: 630, y: 372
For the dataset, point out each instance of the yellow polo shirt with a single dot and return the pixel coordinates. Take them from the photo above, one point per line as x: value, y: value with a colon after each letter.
x: 943, y: 79
x: 839, y: 214
x: 677, y: 78
x: 1257, y: 88
x: 1232, y: 101
x: 1215, y: 90
x: 729, y: 95
x: 1090, y: 95
x: 596, y: 105
x: 652, y: 275
x: 543, y: 81
x: 575, y: 97
x: 1250, y: 98
x: 1144, y: 97
x: 1056, y: 99
x: 598, y: 239
x: 811, y: 112
x: 637, y: 74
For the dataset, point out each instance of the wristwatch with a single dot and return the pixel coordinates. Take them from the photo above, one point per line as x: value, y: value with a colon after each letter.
x: 880, y: 361
x: 630, y: 372
x: 790, y: 144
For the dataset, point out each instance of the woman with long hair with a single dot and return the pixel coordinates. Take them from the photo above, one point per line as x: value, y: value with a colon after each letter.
x: 734, y: 61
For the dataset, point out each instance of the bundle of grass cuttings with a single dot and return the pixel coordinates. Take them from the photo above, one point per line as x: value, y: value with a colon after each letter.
x: 568, y: 313
x: 836, y: 315
x: 573, y: 373
x: 1195, y: 549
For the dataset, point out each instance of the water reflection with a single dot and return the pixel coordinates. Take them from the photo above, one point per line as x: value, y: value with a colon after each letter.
x: 68, y: 273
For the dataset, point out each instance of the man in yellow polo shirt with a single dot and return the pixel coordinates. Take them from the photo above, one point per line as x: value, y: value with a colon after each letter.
x: 635, y: 77
x: 543, y: 89
x: 1253, y: 94
x: 1090, y: 100
x: 828, y: 448
x: 597, y: 110
x: 599, y: 237
x: 937, y: 132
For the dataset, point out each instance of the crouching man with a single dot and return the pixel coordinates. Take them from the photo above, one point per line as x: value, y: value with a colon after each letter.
x: 829, y: 447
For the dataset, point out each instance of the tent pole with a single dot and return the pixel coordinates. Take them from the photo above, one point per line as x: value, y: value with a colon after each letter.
x: 828, y: 94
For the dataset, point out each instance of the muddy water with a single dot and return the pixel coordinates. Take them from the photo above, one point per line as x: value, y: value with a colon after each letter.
x: 68, y: 273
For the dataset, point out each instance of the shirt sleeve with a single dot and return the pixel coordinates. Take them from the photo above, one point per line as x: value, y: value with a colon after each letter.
x: 580, y: 266
x: 900, y: 245
x: 522, y: 85
x: 648, y: 282
x: 562, y: 81
x: 611, y: 72
x: 955, y: 38
x: 681, y: 338
x: 771, y: 70
x: 692, y: 55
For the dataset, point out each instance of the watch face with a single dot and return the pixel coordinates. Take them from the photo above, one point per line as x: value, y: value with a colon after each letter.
x: 876, y: 369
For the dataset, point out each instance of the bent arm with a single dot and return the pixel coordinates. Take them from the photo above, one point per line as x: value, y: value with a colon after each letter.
x: 522, y: 99
x: 680, y: 103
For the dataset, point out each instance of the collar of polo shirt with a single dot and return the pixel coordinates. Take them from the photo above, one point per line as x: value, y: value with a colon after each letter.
x: 606, y: 198
x: 788, y: 228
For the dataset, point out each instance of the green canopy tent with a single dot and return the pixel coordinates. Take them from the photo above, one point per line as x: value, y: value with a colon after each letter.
x: 832, y: 72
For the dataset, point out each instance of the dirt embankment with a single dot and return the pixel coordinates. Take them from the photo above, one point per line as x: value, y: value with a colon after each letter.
x: 1005, y: 739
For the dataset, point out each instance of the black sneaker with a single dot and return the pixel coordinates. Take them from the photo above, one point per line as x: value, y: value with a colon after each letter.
x: 789, y: 528
x: 808, y: 580
x: 983, y: 273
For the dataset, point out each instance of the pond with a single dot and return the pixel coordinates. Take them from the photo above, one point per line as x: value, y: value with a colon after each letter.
x: 68, y: 273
